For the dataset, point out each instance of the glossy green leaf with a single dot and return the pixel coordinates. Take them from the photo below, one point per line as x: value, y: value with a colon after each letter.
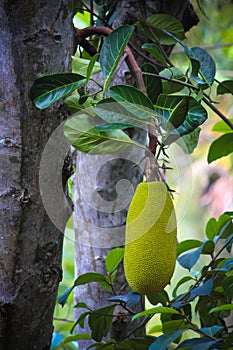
x: 189, y: 142
x: 81, y: 133
x: 173, y: 325
x: 163, y: 341
x: 100, y: 322
x: 112, y: 126
x: 156, y: 310
x: 112, y: 50
x: 179, y: 113
x: 114, y: 258
x: 161, y: 24
x: 221, y: 126
x: 155, y: 51
x: 197, y: 344
x: 114, y: 112
x: 47, y: 90
x: 85, y: 67
x: 187, y: 245
x: 195, y: 117
x: 208, y: 247
x: 88, y: 278
x: 221, y: 147
x: 153, y: 84
x: 161, y: 297
x: 170, y: 86
x: 73, y: 105
x: 133, y: 100
x: 81, y: 305
x: 225, y: 87
x: 212, y: 331
x: 206, y: 66
x: 76, y: 337
x: 204, y: 289
x: 62, y: 299
x: 131, y: 299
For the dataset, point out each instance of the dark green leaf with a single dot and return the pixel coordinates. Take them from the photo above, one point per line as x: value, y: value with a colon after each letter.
x: 62, y: 299
x: 197, y: 344
x: 225, y: 87
x: 81, y: 305
x: 182, y: 281
x: 189, y: 142
x: 131, y: 299
x: 228, y: 287
x: 112, y: 126
x: 188, y: 260
x: 80, y: 321
x: 153, y: 84
x: 164, y: 340
x: 221, y: 147
x: 173, y: 325
x: 156, y: 310
x: 225, y: 265
x: 49, y: 89
x: 212, y: 331
x: 170, y: 87
x: 135, y: 343
x: 161, y: 24
x: 222, y: 308
x: 100, y: 321
x: 76, y: 337
x: 114, y: 258
x: 222, y: 126
x: 89, y: 277
x: 132, y: 99
x: 112, y: 50
x: 161, y: 297
x: 208, y: 247
x: 204, y: 289
x: 155, y: 51
x: 178, y: 114
x: 187, y: 245
x: 207, y: 68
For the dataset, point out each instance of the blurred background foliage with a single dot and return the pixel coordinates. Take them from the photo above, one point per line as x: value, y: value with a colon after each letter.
x: 199, y: 186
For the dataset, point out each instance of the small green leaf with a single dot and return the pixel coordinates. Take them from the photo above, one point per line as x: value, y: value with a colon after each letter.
x: 187, y: 245
x: 62, y: 299
x: 161, y: 297
x: 93, y: 67
x: 225, y: 87
x: 163, y: 341
x: 81, y: 305
x: 189, y: 142
x: 112, y: 50
x: 155, y: 51
x: 197, y: 344
x: 72, y: 105
x: 188, y: 260
x: 179, y: 113
x: 76, y: 337
x: 222, y: 126
x: 136, y: 343
x: 156, y: 310
x: 221, y: 147
x: 170, y: 86
x: 114, y: 258
x: 153, y: 84
x: 204, y: 289
x: 131, y: 299
x: 89, y: 277
x: 85, y: 67
x: 133, y: 100
x: 100, y: 321
x: 47, y: 90
x: 208, y: 247
x: 182, y: 281
x: 161, y: 24
x: 206, y: 66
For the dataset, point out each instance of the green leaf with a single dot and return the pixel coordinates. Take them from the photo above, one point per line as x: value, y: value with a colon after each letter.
x: 100, y: 322
x: 155, y: 51
x: 73, y: 105
x: 131, y: 299
x: 156, y: 310
x: 81, y: 133
x: 187, y: 245
x: 114, y: 112
x: 212, y: 331
x: 112, y: 50
x: 133, y: 100
x: 114, y: 258
x: 163, y: 341
x: 182, y: 281
x: 206, y: 66
x: 196, y: 115
x: 221, y: 147
x: 208, y: 247
x: 135, y: 343
x: 47, y: 90
x: 222, y: 308
x: 204, y: 289
x: 161, y: 297
x: 189, y: 142
x: 76, y: 337
x: 222, y: 126
x: 113, y: 126
x: 162, y: 23
x: 228, y: 286
x: 62, y: 299
x: 85, y: 67
x: 81, y: 305
x: 153, y: 84
x: 170, y: 87
x: 225, y: 87
x: 178, y: 114
x: 197, y: 344
x: 173, y: 325
x: 188, y: 260
x: 89, y: 277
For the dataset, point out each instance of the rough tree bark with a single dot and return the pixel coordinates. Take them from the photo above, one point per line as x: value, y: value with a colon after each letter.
x: 100, y: 226
x: 35, y: 39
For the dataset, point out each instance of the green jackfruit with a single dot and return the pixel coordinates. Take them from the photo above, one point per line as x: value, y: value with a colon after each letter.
x: 150, y: 244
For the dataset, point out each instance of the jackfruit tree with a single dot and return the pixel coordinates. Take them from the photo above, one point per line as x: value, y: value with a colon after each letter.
x: 126, y: 102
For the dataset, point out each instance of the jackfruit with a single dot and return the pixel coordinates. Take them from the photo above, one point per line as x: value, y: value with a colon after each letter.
x: 150, y: 243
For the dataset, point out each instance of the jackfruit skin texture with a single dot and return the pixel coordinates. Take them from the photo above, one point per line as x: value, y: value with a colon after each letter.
x: 151, y: 236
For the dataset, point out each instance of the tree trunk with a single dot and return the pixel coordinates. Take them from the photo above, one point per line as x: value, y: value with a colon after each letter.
x: 99, y: 222
x: 35, y: 39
